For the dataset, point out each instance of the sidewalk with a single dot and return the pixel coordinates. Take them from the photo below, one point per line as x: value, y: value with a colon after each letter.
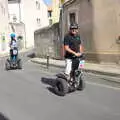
x: 104, y: 69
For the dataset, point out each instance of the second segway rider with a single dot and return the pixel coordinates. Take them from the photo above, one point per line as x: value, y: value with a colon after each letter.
x: 13, y: 44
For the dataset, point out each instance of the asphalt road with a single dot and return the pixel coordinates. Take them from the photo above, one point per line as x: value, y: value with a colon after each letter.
x: 26, y: 95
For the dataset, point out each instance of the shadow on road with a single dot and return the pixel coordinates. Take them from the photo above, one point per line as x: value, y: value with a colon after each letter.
x: 50, y: 82
x: 2, y: 117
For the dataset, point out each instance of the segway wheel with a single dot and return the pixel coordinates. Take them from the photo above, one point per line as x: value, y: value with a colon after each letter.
x: 81, y: 85
x: 19, y: 64
x: 61, y: 87
x: 7, y: 65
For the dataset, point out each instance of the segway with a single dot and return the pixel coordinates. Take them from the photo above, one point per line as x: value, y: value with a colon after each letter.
x: 64, y: 85
x: 13, y: 62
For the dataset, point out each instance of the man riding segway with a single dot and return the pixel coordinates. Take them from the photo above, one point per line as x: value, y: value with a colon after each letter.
x: 73, y: 53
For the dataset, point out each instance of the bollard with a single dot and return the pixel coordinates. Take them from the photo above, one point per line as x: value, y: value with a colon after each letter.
x: 47, y: 61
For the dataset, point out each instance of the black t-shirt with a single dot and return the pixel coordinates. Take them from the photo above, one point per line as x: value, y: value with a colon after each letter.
x: 73, y: 42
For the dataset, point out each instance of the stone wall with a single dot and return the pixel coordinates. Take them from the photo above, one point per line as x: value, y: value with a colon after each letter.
x: 47, y: 42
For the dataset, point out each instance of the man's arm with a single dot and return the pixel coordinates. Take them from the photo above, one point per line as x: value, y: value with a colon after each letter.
x: 66, y: 47
x: 81, y: 48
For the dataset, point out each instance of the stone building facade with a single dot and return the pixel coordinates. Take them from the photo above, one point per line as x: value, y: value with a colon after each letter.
x: 4, y: 27
x: 99, y: 22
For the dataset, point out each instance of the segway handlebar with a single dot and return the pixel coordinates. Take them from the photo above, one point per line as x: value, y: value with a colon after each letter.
x: 82, y: 56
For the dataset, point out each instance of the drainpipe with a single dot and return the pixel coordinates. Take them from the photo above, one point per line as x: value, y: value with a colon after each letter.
x: 19, y: 12
x: 61, y: 33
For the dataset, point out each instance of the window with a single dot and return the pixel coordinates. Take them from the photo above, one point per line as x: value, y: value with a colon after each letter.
x: 72, y: 17
x: 50, y: 21
x: 38, y: 21
x: 50, y: 14
x: 37, y: 5
x: 2, y: 9
x: 14, y: 18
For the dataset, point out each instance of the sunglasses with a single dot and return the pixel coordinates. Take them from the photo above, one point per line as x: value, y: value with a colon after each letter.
x: 74, y: 30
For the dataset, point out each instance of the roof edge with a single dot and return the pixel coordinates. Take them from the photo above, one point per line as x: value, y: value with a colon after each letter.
x: 68, y: 3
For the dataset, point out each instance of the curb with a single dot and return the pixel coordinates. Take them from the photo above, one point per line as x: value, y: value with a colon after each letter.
x: 102, y: 72
x: 105, y: 73
x: 43, y: 63
x: 85, y: 69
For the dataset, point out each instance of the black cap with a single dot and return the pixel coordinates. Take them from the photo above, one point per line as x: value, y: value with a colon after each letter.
x: 74, y: 26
